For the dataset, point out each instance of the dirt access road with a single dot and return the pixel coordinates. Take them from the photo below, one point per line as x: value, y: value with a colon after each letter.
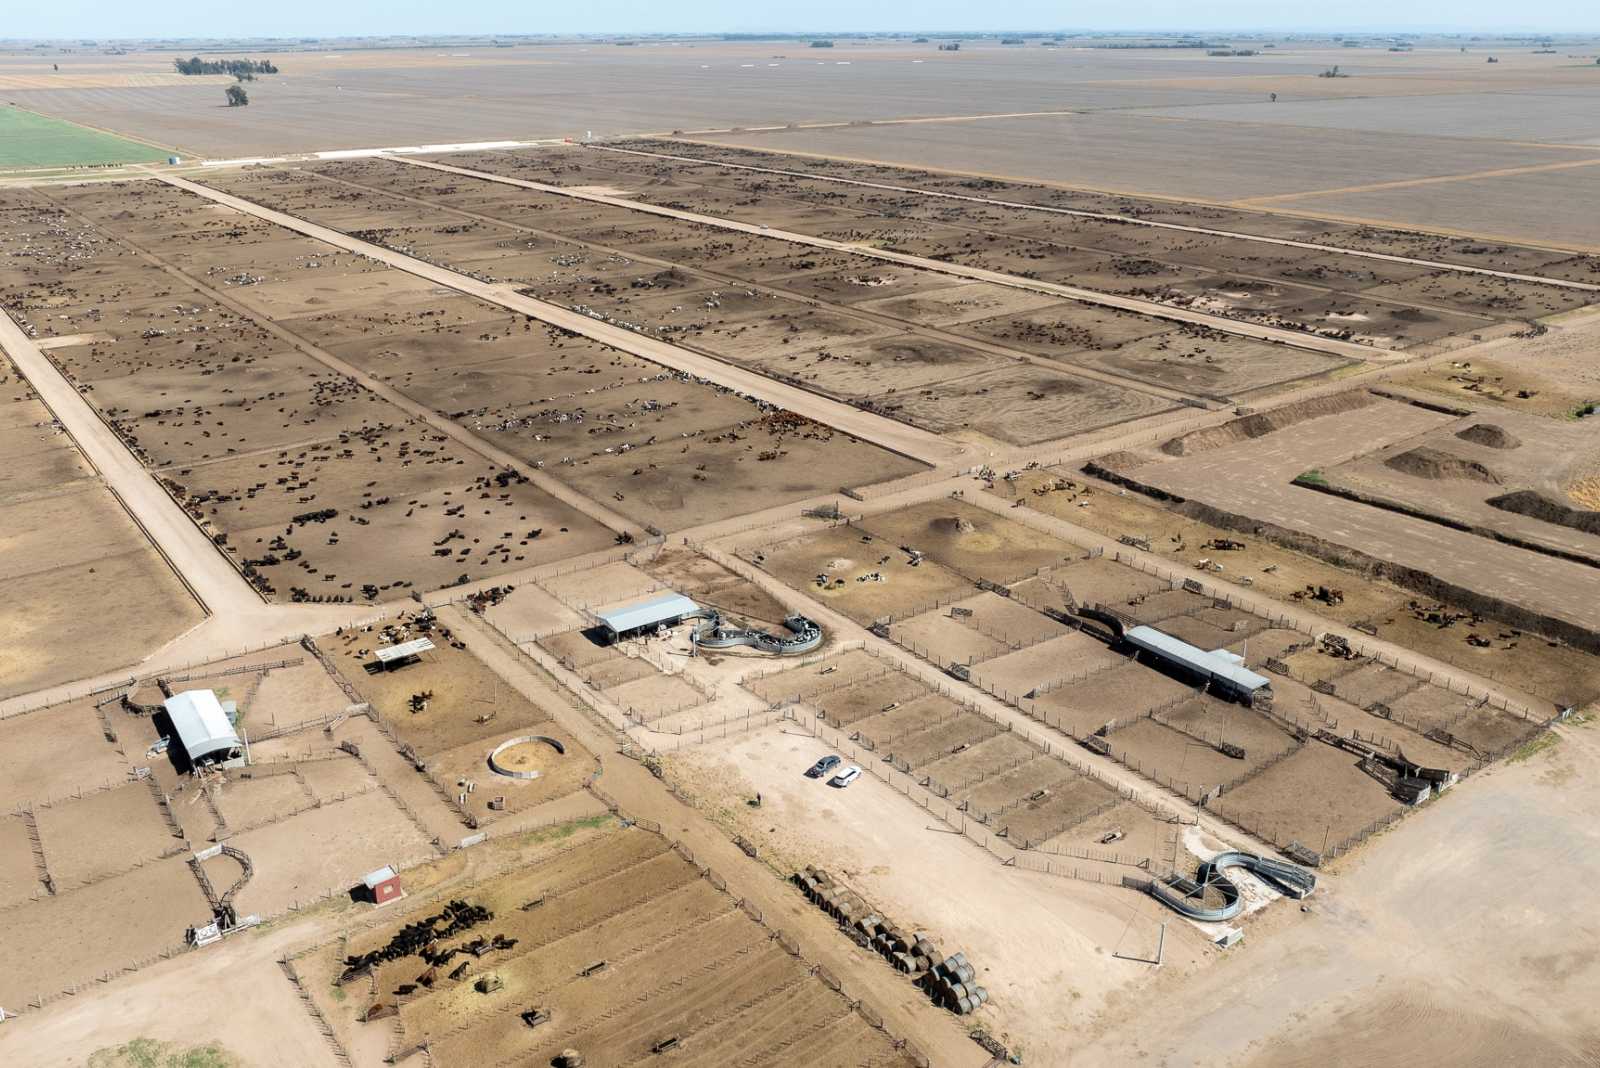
x: 897, y: 437
x: 1330, y: 346
x: 234, y: 994
x: 1131, y: 220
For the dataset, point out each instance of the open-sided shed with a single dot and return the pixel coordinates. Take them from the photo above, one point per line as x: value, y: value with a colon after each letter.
x: 661, y: 610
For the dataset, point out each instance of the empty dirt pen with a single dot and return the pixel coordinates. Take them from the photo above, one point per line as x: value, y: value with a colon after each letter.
x: 612, y: 944
x: 642, y: 690
x: 1007, y: 783
x: 52, y: 752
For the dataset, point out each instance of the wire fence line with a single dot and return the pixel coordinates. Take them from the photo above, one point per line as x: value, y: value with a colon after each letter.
x: 1357, y: 645
x: 952, y: 816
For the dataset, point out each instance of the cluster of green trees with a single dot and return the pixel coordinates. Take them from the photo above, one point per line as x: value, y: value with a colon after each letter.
x: 237, y: 97
x: 236, y: 67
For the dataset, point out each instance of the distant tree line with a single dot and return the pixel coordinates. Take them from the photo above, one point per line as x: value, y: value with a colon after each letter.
x: 236, y: 67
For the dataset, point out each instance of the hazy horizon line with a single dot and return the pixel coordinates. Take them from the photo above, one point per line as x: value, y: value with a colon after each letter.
x: 749, y: 33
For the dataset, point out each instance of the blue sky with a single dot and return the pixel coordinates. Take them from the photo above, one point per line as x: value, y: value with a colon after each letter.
x: 293, y: 18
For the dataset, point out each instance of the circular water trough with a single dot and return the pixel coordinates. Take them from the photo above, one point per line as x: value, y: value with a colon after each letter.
x: 504, y: 761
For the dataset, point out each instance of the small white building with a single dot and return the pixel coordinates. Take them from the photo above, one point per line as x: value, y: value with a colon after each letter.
x: 201, y: 726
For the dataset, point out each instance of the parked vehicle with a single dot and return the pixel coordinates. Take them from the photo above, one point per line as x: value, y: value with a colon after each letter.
x: 845, y: 777
x: 823, y: 766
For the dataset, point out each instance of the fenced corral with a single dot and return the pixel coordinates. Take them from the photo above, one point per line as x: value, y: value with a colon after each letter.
x: 406, y: 753
x: 1273, y: 617
x: 1359, y: 647
x: 807, y: 660
x: 932, y: 477
x: 1209, y: 607
x: 321, y: 1021
x: 703, y: 731
x: 951, y: 815
x: 616, y: 903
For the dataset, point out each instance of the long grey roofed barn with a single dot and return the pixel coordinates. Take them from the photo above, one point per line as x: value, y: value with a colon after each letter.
x: 1217, y: 666
x: 201, y: 725
x: 640, y: 615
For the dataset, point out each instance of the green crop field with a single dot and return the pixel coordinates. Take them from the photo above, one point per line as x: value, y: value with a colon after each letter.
x: 29, y: 140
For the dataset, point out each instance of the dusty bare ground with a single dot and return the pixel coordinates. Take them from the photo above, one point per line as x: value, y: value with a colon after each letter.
x: 74, y: 937
x: 1328, y: 985
x: 56, y: 751
x: 1043, y: 945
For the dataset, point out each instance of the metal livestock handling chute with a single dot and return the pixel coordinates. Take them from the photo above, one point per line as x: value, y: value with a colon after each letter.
x: 1180, y: 894
x: 804, y: 635
x: 654, y: 614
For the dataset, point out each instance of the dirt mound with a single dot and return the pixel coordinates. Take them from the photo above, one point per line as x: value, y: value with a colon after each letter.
x: 1431, y: 463
x: 1495, y: 437
x: 1263, y: 423
x: 951, y: 524
x: 1538, y: 506
x: 1123, y: 460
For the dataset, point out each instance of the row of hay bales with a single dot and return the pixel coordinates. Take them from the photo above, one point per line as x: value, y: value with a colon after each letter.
x: 949, y: 981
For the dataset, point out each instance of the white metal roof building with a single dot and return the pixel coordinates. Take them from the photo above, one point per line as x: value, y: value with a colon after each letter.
x: 395, y: 655
x: 202, y: 726
x: 665, y: 608
x: 1217, y: 666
